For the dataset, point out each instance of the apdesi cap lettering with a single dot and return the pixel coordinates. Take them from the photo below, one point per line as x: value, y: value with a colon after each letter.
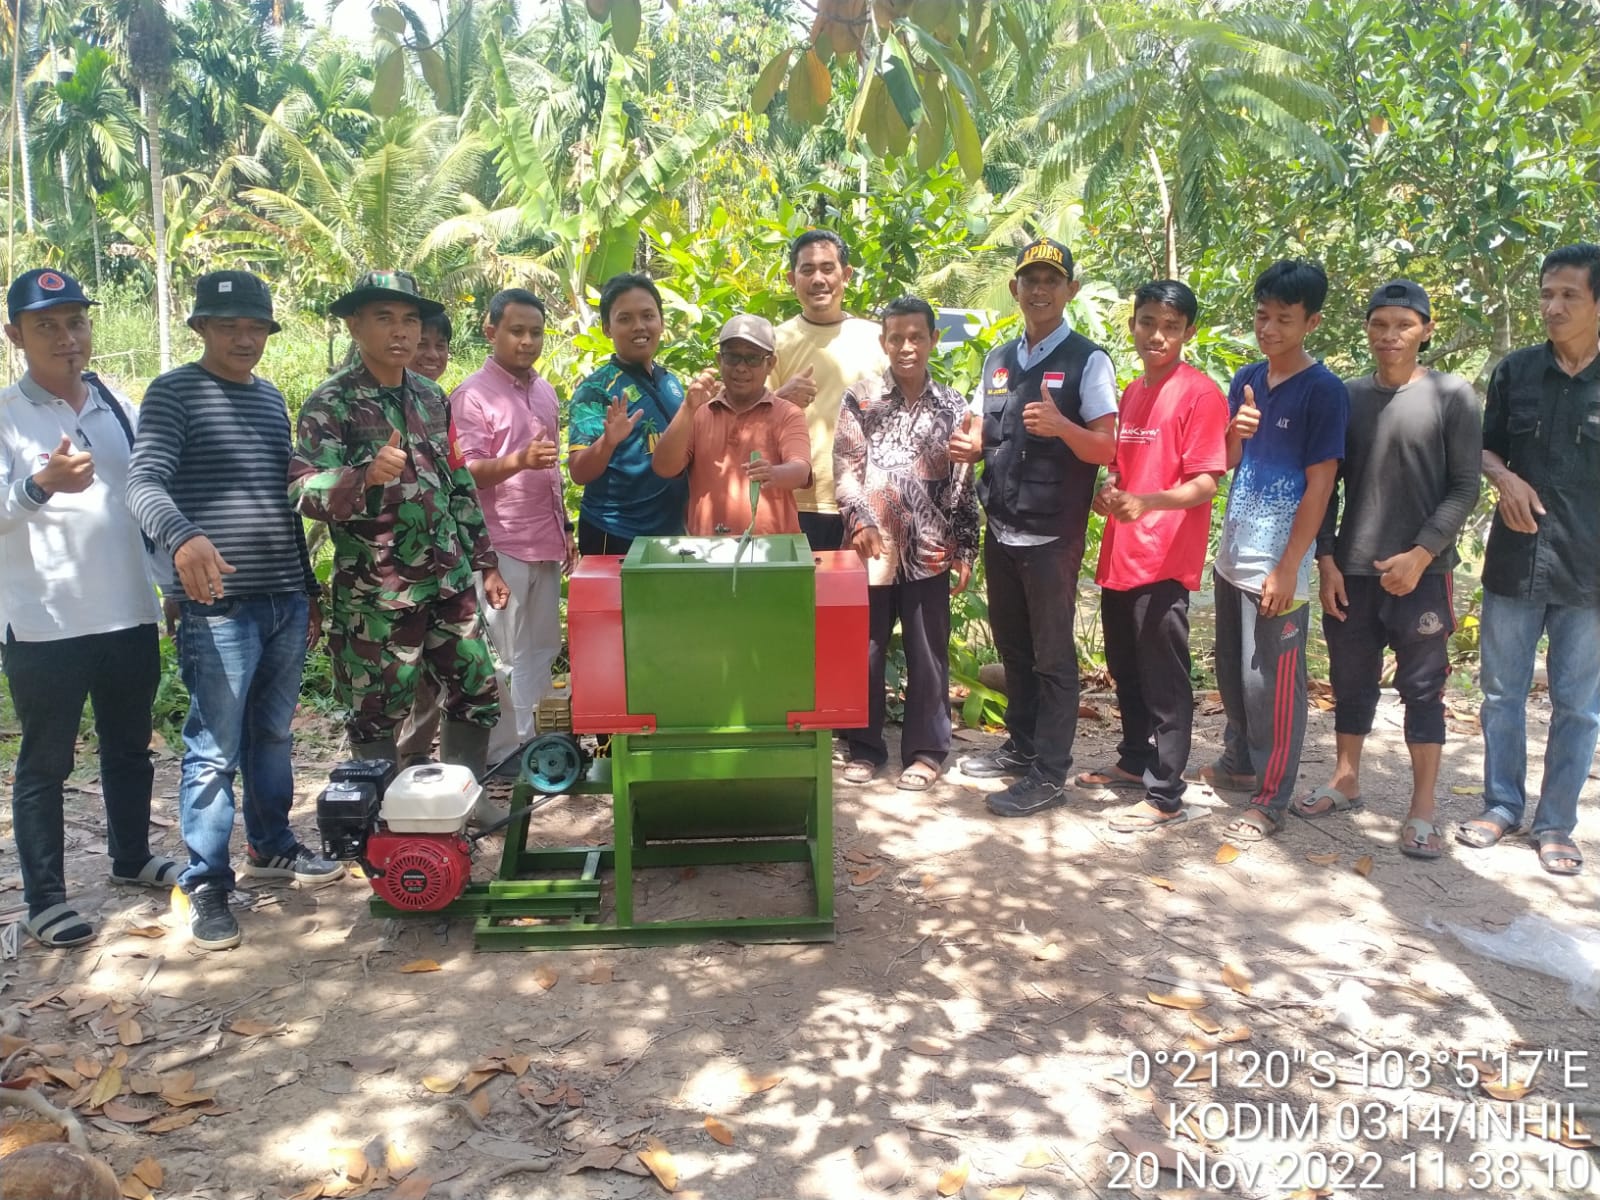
x: 1048, y: 252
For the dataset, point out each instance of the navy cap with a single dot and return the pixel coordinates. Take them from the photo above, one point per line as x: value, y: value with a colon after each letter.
x: 1401, y: 293
x: 42, y: 288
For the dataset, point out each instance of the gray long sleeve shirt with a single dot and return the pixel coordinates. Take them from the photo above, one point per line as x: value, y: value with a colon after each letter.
x: 1409, y: 475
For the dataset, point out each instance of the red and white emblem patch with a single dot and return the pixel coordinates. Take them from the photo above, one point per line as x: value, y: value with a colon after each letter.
x: 51, y: 282
x: 1054, y: 379
x: 999, y: 379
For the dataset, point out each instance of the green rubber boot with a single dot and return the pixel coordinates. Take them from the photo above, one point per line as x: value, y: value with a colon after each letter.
x: 380, y: 748
x: 467, y: 745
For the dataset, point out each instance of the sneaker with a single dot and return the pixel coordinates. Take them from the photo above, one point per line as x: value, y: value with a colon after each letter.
x: 211, y: 924
x: 1033, y: 793
x: 995, y: 763
x: 302, y: 864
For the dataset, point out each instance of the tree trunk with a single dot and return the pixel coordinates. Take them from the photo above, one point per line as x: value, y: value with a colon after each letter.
x: 1169, y: 218
x: 21, y: 125
x: 150, y: 100
x: 94, y: 229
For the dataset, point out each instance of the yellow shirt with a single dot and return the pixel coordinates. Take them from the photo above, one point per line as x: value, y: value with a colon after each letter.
x: 838, y: 355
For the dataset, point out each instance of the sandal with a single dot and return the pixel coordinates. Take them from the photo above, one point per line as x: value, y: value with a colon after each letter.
x: 859, y: 770
x: 1557, y: 854
x: 1218, y: 780
x: 1110, y: 779
x: 157, y: 872
x: 918, y: 777
x: 1144, y: 816
x: 1482, y: 832
x: 1337, y: 802
x: 1253, y: 825
x: 59, y: 926
x: 1420, y: 838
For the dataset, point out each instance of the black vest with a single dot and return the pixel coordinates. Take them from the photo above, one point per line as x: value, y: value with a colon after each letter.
x: 1034, y: 484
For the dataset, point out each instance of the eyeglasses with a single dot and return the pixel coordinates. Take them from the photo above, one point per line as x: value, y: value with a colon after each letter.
x: 732, y: 359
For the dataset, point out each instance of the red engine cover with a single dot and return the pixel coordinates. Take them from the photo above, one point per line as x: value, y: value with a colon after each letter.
x: 422, y: 872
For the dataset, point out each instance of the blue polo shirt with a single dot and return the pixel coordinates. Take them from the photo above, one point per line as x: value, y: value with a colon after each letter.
x: 1302, y: 423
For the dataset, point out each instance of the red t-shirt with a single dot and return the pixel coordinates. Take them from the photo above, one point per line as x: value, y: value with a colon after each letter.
x: 1165, y: 435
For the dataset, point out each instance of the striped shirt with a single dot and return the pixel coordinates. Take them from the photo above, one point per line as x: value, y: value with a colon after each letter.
x: 212, y: 458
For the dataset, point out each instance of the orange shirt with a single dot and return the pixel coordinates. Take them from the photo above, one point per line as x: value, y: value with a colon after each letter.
x: 719, y: 452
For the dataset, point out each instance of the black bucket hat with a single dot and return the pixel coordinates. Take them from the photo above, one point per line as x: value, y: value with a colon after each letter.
x: 232, y: 294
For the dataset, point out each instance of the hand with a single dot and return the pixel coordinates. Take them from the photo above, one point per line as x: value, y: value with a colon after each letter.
x: 200, y: 570
x: 171, y: 611
x: 1042, y: 418
x: 1248, y: 419
x: 388, y: 464
x: 760, y: 470
x: 867, y: 542
x: 495, y: 590
x: 313, y: 621
x: 1401, y: 572
x: 538, y: 455
x: 619, y: 424
x: 1519, y: 503
x: 1107, y: 493
x: 966, y: 443
x: 1277, y: 594
x: 963, y: 576
x: 800, y: 389
x: 572, y: 555
x: 1335, y: 600
x: 66, y: 471
x: 703, y: 388
x: 1128, y: 507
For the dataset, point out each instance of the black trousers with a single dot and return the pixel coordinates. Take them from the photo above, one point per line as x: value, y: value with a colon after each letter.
x: 1418, y: 627
x: 1147, y: 653
x: 1033, y: 592
x: 825, y: 531
x: 923, y: 610
x: 49, y: 681
x: 594, y: 540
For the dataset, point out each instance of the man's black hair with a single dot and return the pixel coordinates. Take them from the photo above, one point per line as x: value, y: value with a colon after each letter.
x: 618, y: 284
x: 1175, y: 295
x: 439, y: 323
x: 910, y: 306
x: 810, y: 238
x: 1294, y: 281
x: 1579, y: 254
x: 506, y: 297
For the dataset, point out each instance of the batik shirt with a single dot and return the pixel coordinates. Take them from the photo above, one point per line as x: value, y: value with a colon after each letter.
x: 892, y: 472
x: 417, y: 539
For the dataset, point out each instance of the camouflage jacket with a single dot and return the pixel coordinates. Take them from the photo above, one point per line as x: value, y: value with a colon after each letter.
x: 412, y: 542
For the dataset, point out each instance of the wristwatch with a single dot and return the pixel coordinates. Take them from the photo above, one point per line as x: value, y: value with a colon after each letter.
x: 33, y: 491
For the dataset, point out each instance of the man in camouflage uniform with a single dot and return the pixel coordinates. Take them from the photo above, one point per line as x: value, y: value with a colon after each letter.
x: 373, y: 459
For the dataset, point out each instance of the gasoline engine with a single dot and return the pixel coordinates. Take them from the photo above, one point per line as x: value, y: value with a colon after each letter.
x: 407, y: 830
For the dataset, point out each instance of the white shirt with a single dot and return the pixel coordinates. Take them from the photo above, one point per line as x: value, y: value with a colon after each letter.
x: 74, y: 565
x: 1097, y: 397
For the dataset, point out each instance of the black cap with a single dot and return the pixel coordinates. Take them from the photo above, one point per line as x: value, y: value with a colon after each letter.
x: 42, y: 288
x: 1401, y: 293
x: 384, y: 285
x: 1047, y: 251
x: 232, y: 294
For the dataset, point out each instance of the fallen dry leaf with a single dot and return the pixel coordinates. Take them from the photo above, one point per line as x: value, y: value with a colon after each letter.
x: 249, y: 1027
x: 89, y: 1068
x: 601, y: 1158
x: 1239, y: 1033
x: 928, y: 1047
x: 1046, y: 952
x: 1136, y: 1145
x: 413, y: 1187
x: 398, y: 1159
x: 440, y: 1083
x: 126, y: 1114
x: 865, y: 876
x: 601, y: 974
x: 752, y: 1085
x: 1309, y: 1193
x: 351, y: 1162
x: 953, y: 1180
x: 659, y: 1163
x: 118, y: 1060
x: 545, y: 978
x: 145, y: 1085
x: 928, y: 882
x: 1504, y: 1091
x: 310, y: 1192
x: 1364, y: 865
x: 859, y: 856
x: 1204, y: 1023
x: 1162, y: 882
x: 178, y: 1081
x: 145, y: 931
x: 418, y: 965
x: 1036, y: 1157
x: 1324, y: 860
x: 719, y: 1132
x: 134, y: 1188
x: 65, y: 1076
x: 177, y: 1120
x: 105, y: 1088
x: 149, y: 1171
x: 1184, y: 1000
x: 1236, y: 977
x: 473, y: 1080
x: 1226, y: 853
x: 188, y: 1099
x: 518, y: 1064
x: 1013, y: 1191
x: 130, y: 1032
x: 1466, y: 791
x: 478, y: 1102
x: 1197, y: 1044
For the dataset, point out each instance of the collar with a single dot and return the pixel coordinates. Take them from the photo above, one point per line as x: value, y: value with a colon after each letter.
x: 1050, y: 341
x: 629, y: 368
x: 1590, y: 372
x: 767, y: 397
x: 494, y: 368
x: 38, y: 394
x: 891, y: 387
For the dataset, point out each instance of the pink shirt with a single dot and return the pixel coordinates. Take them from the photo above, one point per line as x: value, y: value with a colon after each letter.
x: 1165, y: 435
x: 493, y: 414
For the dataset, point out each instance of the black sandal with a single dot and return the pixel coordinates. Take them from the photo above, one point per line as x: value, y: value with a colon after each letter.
x: 1484, y: 831
x: 1556, y: 849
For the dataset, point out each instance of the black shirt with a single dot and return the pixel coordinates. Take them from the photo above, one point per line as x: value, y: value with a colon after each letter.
x: 1545, y: 424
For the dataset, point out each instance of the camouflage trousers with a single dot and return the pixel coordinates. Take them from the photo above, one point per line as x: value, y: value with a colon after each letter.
x: 380, y: 654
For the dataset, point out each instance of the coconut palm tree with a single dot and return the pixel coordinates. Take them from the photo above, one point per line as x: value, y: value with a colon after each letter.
x: 151, y: 48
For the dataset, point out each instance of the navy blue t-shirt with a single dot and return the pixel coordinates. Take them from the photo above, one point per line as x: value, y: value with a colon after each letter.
x: 1302, y: 423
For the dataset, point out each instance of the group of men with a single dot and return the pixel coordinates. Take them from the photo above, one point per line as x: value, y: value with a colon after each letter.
x: 446, y: 515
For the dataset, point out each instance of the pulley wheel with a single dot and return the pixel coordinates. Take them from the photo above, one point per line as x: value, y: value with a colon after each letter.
x: 552, y: 763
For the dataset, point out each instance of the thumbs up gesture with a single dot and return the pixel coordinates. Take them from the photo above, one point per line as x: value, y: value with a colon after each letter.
x: 1248, y: 419
x: 966, y: 441
x: 67, y: 470
x: 800, y: 389
x: 386, y: 466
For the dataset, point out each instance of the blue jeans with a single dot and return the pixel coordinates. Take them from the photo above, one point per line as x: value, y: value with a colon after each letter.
x: 1510, y: 639
x: 241, y: 660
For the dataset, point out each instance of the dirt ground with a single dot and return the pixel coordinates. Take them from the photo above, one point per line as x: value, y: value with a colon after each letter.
x: 1001, y: 1015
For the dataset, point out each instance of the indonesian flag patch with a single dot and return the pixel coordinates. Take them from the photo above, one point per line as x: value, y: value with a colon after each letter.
x: 999, y: 379
x: 1055, y: 379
